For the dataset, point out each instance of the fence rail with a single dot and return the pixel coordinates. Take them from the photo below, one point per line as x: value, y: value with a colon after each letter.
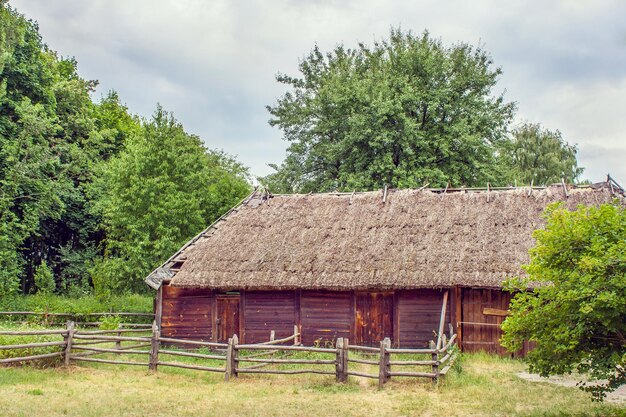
x: 78, y: 345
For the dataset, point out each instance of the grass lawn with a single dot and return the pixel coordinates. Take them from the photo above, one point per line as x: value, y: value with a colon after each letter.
x: 485, y: 385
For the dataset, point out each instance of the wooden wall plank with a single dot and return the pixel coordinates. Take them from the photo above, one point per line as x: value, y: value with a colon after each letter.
x: 266, y: 311
x: 475, y: 302
x: 326, y: 316
x: 186, y: 313
x: 419, y: 314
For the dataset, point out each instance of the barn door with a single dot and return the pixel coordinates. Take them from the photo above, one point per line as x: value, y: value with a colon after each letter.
x: 374, y: 317
x: 483, y: 312
x: 227, y: 316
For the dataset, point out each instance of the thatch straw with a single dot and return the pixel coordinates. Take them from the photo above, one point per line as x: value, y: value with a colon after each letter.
x: 415, y: 239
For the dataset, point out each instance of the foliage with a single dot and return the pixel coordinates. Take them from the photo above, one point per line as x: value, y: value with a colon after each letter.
x: 109, y: 322
x: 44, y: 279
x: 52, y: 137
x: 84, y: 305
x: 406, y: 111
x: 540, y: 156
x: 59, y: 149
x: 160, y: 191
x: 576, y: 314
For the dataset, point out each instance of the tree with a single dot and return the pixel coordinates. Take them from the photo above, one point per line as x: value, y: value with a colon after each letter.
x: 540, y: 156
x: 52, y: 138
x: 576, y: 313
x: 406, y: 111
x: 160, y: 191
x: 44, y: 279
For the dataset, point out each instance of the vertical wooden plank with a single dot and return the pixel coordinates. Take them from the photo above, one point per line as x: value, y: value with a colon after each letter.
x: 298, y: 313
x: 458, y: 316
x: 158, y: 308
x: 353, y: 323
x: 396, y: 320
x: 442, y: 318
x: 242, y: 315
x: 154, y: 347
x: 214, y: 318
x: 68, y: 342
x: 435, y: 359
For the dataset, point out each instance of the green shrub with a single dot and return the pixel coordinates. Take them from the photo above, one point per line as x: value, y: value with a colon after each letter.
x: 44, y: 279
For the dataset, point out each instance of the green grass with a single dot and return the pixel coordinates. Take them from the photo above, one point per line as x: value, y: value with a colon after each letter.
x: 78, y: 305
x: 481, y: 385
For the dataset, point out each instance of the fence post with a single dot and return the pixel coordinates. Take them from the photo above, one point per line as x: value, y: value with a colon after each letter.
x: 383, y: 362
x: 154, y: 347
x: 68, y: 341
x: 231, y: 358
x: 435, y: 359
x: 118, y: 343
x: 341, y: 360
x: 296, y: 333
x: 272, y: 335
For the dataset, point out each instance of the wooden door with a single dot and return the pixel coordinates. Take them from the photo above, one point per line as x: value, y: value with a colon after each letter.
x: 374, y: 317
x: 483, y: 313
x: 227, y: 316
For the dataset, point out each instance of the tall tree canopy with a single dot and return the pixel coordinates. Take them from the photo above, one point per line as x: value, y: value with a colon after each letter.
x: 160, y: 191
x: 56, y: 143
x: 540, y: 156
x: 406, y: 111
x: 576, y: 313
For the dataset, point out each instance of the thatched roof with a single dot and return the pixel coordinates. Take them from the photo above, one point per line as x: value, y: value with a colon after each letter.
x: 412, y: 239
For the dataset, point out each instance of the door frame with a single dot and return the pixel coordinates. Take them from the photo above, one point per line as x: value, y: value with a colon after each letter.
x: 391, y: 333
x: 217, y: 297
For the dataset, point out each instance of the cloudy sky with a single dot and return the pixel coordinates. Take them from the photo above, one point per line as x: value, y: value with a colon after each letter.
x: 213, y: 63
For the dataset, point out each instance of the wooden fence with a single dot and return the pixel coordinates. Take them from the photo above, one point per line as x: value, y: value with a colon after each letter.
x: 342, y: 360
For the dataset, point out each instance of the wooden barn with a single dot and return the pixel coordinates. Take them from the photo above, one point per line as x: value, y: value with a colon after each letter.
x: 359, y: 265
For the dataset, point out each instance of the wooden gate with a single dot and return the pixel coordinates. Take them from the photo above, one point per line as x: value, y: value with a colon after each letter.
x: 227, y: 316
x: 374, y: 317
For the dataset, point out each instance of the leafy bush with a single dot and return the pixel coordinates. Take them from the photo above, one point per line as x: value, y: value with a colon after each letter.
x: 110, y: 322
x: 44, y: 279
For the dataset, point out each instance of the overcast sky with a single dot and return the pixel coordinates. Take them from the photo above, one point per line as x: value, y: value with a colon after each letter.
x: 213, y: 63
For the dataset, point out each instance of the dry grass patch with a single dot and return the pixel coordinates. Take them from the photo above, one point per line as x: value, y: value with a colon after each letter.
x: 486, y: 386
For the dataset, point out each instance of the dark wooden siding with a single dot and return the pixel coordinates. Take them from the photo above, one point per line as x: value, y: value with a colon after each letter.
x: 480, y: 336
x: 227, y: 315
x: 186, y: 313
x: 325, y: 316
x: 265, y: 311
x: 374, y: 318
x: 419, y: 312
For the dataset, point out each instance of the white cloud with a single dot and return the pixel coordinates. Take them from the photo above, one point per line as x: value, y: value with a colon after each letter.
x: 213, y: 63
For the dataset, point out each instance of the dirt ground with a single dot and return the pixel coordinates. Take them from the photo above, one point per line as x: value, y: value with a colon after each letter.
x: 617, y: 397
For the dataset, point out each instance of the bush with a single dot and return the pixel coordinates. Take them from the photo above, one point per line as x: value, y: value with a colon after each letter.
x: 44, y: 279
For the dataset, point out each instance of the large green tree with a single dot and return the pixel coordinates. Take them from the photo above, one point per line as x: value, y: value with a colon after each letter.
x: 406, y: 111
x: 52, y: 138
x: 539, y: 156
x: 160, y: 191
x: 576, y: 314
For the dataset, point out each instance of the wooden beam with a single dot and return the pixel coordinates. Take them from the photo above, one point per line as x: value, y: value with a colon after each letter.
x: 158, y: 307
x: 458, y: 315
x: 442, y: 318
x: 242, y: 315
x: 396, y: 320
x: 495, y: 312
